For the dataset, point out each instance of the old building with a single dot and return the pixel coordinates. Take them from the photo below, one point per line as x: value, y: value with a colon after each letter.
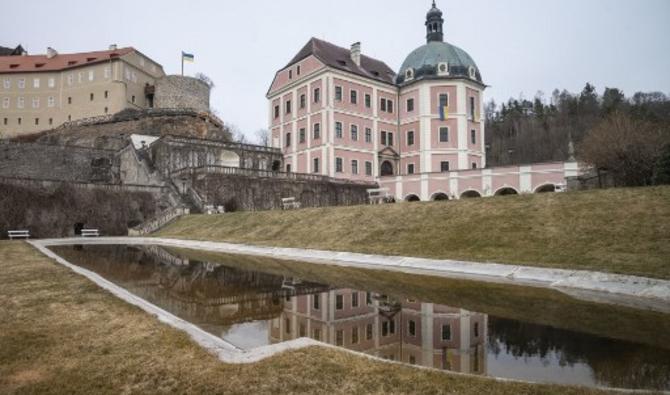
x: 39, y: 92
x: 419, y: 133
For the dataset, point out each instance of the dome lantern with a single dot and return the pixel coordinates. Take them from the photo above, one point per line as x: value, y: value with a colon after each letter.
x: 434, y: 24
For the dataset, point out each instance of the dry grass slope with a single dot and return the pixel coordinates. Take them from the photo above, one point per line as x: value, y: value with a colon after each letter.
x: 59, y: 333
x: 617, y: 230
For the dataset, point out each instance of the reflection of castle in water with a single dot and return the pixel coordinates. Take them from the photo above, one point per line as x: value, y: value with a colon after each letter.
x: 413, y: 332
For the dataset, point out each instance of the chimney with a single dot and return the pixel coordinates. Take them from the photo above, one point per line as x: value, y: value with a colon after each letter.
x: 356, y: 53
x: 112, y: 47
x: 51, y: 52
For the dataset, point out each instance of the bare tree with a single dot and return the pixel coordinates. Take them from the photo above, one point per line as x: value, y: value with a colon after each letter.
x: 237, y: 135
x: 263, y: 137
x: 628, y: 149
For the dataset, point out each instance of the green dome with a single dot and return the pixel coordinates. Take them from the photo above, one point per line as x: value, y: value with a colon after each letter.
x: 423, y: 63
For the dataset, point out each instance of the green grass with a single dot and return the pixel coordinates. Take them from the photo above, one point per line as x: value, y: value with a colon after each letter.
x: 60, y: 333
x: 623, y: 230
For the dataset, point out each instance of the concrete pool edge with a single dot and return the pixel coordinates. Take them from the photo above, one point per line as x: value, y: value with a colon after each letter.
x: 225, y: 351
x: 627, y: 290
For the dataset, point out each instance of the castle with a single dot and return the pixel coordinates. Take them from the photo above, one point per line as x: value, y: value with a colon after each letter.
x: 419, y: 133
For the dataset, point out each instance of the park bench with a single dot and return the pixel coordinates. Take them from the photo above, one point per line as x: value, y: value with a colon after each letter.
x: 290, y: 203
x: 377, y: 195
x: 18, y: 234
x: 90, y: 233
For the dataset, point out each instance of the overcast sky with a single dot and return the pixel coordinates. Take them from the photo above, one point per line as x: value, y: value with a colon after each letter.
x: 520, y: 46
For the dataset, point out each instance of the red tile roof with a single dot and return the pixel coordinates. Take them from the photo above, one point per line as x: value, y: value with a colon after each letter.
x: 33, y: 63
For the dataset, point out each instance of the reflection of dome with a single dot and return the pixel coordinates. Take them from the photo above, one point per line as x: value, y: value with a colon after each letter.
x: 429, y: 61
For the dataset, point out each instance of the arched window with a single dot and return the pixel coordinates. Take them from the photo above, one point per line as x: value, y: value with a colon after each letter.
x: 387, y: 169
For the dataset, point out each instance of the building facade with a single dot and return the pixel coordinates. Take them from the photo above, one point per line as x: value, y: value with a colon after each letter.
x: 39, y: 92
x: 418, y: 133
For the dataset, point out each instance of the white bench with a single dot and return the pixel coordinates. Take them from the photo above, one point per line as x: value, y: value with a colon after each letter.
x: 18, y: 234
x: 290, y: 203
x: 378, y: 195
x: 90, y: 233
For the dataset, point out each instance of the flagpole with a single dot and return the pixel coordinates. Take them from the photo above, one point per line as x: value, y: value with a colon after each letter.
x: 182, y: 64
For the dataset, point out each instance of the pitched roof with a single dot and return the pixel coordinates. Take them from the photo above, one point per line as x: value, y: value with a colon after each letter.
x: 340, y: 58
x: 28, y: 63
x: 5, y: 51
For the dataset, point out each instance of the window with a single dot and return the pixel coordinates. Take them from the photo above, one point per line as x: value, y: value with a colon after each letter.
x: 410, y: 168
x: 338, y: 93
x: 338, y: 130
x: 339, y: 302
x: 338, y: 169
x: 412, y: 360
x: 444, y: 100
x: 288, y: 139
x: 383, y: 104
x: 368, y: 135
x: 70, y: 79
x: 317, y: 95
x: 368, y: 331
x: 389, y: 105
x: 354, y: 335
x: 385, y: 328
x: 444, y: 134
x: 91, y: 97
x: 476, y: 329
x: 339, y: 337
x: 354, y: 170
x: 51, y: 121
x: 132, y: 99
x: 410, y: 137
x: 298, y: 70
x: 19, y: 102
x: 301, y: 135
x: 69, y: 100
x: 19, y: 120
x: 383, y: 138
x: 474, y: 165
x: 411, y: 327
x: 354, y: 97
x: 446, y: 332
x: 410, y: 105
x: 8, y: 83
x: 473, y: 136
x: 287, y: 325
x: 368, y: 172
x: 287, y: 106
x: 5, y: 121
x: 22, y: 83
x: 69, y: 118
x: 91, y: 75
x: 37, y: 121
x: 315, y: 165
x: 36, y: 102
x: 302, y: 330
x: 52, y: 82
x: 316, y: 301
x: 107, y: 72
x: 316, y: 334
x: 354, y: 132
x: 276, y: 112
x: 368, y: 101
x: 5, y: 102
x: 106, y: 110
x: 444, y: 166
x: 390, y: 138
x: 290, y: 74
x: 106, y: 94
x: 317, y: 131
x: 36, y: 82
x: 288, y: 168
x: 80, y: 77
x: 472, y: 108
x: 303, y: 100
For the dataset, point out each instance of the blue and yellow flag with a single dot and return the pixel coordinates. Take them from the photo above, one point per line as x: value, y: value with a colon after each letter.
x: 187, y: 57
x: 444, y: 112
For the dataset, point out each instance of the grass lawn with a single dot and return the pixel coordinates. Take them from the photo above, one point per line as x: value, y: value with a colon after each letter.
x: 60, y: 333
x: 624, y: 230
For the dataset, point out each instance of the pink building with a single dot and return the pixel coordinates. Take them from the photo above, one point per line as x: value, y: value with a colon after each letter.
x: 418, y: 133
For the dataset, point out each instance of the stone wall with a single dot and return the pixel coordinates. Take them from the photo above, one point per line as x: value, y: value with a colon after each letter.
x: 49, y: 209
x: 176, y: 91
x: 56, y: 162
x: 245, y: 193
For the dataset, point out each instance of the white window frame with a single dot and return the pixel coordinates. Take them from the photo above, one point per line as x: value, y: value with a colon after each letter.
x: 52, y: 82
x: 91, y: 75
x: 339, y: 134
x: 368, y: 165
x: 354, y: 166
x: 5, y: 102
x: 439, y: 134
x: 339, y: 165
x: 22, y: 83
x: 20, y: 102
x: 36, y: 83
x: 36, y: 102
x: 107, y: 72
x: 8, y: 83
x: 51, y: 101
x: 368, y: 136
x: 351, y: 132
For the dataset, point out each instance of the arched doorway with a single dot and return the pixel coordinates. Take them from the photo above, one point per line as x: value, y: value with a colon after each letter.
x: 546, y: 188
x: 470, y: 194
x: 412, y: 198
x: 387, y: 168
x: 229, y: 159
x: 506, y: 191
x: 439, y: 196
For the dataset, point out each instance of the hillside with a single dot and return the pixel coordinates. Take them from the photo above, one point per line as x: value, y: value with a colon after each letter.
x: 616, y: 230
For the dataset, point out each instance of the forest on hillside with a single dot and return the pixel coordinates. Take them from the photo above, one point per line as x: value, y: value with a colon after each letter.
x: 627, y: 137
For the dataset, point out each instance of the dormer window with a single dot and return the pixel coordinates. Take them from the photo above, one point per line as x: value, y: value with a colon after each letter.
x: 342, y: 62
x: 443, y: 68
x: 13, y: 66
x: 72, y: 62
x: 472, y: 72
x: 409, y: 74
x: 90, y: 59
